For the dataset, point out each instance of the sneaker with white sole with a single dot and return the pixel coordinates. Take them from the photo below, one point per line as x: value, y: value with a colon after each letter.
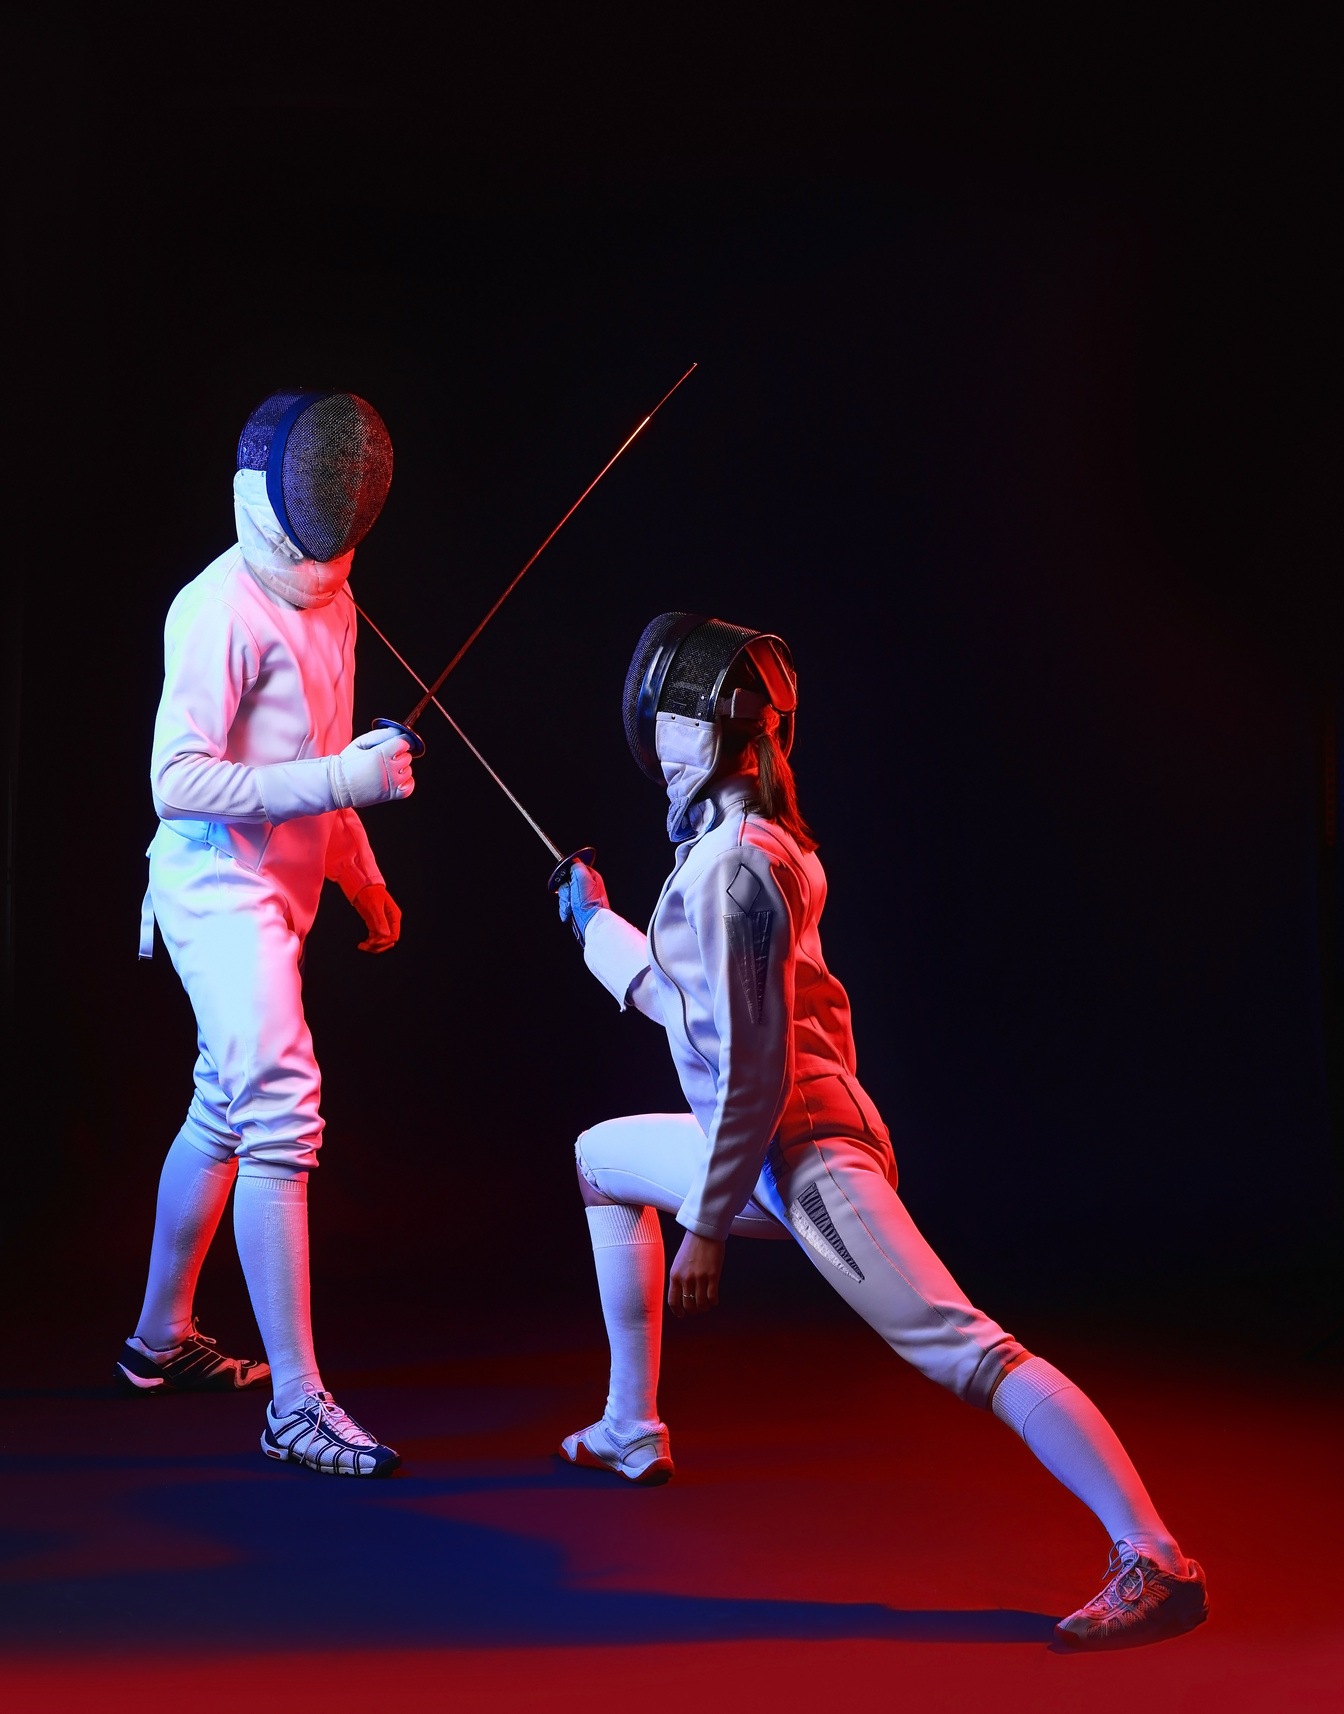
x: 192, y: 1366
x: 642, y: 1456
x: 1139, y: 1603
x: 322, y: 1437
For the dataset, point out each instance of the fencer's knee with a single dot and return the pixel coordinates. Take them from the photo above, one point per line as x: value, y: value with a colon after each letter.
x: 593, y: 1196
x: 268, y: 1157
x: 207, y: 1139
x: 977, y: 1383
x: 270, y: 1169
x: 1018, y: 1355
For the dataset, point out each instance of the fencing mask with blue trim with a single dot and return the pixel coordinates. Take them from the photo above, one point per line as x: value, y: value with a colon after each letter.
x: 327, y: 458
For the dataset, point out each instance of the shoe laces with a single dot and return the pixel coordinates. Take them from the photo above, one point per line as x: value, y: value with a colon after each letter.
x: 337, y: 1421
x: 193, y: 1335
x: 1123, y: 1565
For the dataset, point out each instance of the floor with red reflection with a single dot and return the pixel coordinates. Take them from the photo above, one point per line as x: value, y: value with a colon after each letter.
x: 840, y: 1534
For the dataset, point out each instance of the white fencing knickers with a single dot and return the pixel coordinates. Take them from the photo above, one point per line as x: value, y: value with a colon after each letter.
x: 234, y: 942
x: 836, y: 1197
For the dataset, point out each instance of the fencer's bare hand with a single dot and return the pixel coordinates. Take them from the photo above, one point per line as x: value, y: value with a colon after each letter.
x: 382, y: 917
x: 693, y: 1283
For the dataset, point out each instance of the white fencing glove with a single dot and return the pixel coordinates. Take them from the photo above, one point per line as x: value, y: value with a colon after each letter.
x: 376, y: 768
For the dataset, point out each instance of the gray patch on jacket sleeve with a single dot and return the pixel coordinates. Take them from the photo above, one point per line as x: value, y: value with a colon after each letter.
x: 743, y: 888
x: 749, y: 943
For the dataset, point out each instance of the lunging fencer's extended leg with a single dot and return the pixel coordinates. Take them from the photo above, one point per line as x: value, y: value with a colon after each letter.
x: 166, y: 1353
x: 630, y: 1439
x: 1150, y: 1588
x: 1070, y: 1436
x: 860, y: 1236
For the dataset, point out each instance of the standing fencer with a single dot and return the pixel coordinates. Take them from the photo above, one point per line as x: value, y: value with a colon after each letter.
x: 256, y: 783
x: 781, y: 1139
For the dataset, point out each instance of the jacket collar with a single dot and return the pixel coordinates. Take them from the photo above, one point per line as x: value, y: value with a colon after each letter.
x: 736, y: 792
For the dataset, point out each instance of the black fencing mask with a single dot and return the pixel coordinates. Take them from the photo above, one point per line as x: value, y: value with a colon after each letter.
x: 679, y: 668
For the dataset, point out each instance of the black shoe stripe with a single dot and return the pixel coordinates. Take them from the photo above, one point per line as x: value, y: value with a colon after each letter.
x: 195, y: 1365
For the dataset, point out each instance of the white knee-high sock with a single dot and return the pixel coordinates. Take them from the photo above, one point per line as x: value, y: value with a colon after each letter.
x: 1077, y: 1445
x: 193, y: 1188
x: 628, y: 1256
x: 270, y: 1222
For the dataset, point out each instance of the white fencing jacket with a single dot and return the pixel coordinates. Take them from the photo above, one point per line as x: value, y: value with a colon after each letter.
x: 255, y: 691
x: 759, y: 1029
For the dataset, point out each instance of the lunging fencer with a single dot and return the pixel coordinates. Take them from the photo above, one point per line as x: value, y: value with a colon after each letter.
x: 782, y: 1140
x: 256, y: 783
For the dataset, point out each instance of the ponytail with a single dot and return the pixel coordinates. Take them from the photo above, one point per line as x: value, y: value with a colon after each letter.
x: 776, y: 791
x: 776, y: 795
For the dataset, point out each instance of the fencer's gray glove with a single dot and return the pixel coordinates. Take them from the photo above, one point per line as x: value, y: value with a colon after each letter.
x: 582, y: 895
x: 376, y: 768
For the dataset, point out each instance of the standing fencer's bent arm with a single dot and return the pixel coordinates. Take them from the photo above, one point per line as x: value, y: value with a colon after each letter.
x: 210, y: 662
x: 204, y: 768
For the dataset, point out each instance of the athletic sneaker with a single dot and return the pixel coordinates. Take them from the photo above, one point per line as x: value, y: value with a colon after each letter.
x: 194, y: 1366
x: 322, y: 1437
x: 643, y: 1457
x: 1139, y: 1603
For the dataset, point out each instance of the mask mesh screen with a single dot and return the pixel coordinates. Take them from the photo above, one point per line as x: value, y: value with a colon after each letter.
x: 649, y: 643
x: 698, y: 667
x: 337, y: 471
x: 692, y: 682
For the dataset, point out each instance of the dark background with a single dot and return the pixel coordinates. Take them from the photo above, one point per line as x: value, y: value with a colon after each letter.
x: 1017, y: 414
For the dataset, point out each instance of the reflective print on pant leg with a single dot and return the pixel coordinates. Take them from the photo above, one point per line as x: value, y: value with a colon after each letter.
x: 860, y: 1237
x: 810, y: 1220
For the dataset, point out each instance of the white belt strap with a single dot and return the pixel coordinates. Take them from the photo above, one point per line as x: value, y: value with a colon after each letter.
x: 147, y: 926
